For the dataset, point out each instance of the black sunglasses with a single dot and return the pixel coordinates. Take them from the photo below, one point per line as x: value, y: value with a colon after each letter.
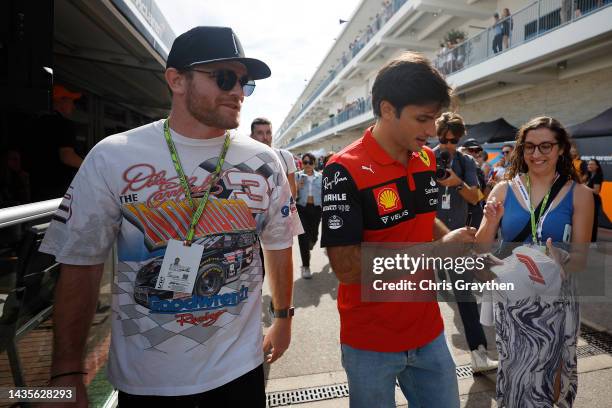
x: 444, y: 140
x: 226, y: 80
x: 307, y: 162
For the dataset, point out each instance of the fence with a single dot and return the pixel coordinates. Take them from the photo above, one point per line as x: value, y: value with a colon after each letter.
x: 530, y: 22
x: 388, y: 10
x: 358, y: 107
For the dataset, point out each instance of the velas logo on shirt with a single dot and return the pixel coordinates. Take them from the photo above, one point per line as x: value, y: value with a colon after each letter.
x: 387, y: 198
x: 424, y: 157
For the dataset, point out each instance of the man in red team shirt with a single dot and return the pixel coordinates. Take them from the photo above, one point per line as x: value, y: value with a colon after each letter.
x: 382, y: 188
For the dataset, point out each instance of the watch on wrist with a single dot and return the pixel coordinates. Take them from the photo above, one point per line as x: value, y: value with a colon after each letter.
x: 281, y: 313
x: 460, y: 186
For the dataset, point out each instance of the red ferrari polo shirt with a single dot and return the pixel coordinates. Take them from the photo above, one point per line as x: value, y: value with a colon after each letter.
x: 370, y: 197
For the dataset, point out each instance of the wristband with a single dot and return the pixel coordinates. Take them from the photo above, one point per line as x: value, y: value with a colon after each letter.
x: 281, y: 313
x: 53, y: 377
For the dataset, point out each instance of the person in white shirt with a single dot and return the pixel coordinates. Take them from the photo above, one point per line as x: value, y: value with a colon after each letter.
x: 261, y: 130
x: 179, y: 188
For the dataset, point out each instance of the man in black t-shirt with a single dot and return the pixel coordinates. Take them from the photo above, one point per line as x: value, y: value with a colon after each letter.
x: 54, y: 162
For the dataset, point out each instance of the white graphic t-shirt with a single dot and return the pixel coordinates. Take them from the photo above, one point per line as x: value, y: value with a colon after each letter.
x: 165, y: 342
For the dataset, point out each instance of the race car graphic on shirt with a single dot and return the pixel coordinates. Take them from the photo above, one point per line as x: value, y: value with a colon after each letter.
x: 224, y: 258
x: 226, y: 288
x: 226, y: 230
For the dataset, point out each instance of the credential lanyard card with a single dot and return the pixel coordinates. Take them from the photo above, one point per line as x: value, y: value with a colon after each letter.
x: 180, y: 267
x: 446, y: 200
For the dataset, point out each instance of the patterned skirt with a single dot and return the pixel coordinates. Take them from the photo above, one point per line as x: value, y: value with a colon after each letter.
x: 536, y: 339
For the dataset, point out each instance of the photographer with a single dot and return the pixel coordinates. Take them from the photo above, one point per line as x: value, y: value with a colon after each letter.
x: 456, y: 175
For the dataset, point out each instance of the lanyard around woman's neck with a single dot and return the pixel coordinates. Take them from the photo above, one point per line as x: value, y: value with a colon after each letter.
x: 214, y: 177
x: 536, y: 227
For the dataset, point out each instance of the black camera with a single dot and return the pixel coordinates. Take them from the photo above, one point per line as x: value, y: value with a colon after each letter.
x: 443, y: 165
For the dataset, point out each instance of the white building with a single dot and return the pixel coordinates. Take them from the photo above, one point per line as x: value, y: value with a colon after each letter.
x: 557, y: 61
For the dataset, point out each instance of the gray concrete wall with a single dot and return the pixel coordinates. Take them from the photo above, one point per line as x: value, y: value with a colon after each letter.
x: 572, y: 101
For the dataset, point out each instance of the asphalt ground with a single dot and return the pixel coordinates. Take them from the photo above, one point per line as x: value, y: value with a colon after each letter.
x: 313, y: 359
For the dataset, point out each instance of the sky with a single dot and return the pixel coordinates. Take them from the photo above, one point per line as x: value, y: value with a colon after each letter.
x: 291, y: 36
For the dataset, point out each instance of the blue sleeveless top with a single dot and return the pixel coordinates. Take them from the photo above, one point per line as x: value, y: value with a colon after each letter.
x: 516, y: 217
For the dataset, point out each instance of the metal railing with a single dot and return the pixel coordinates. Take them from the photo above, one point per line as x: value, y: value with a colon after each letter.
x: 529, y: 23
x: 28, y: 212
x: 358, y: 107
x: 388, y: 10
x: 28, y: 301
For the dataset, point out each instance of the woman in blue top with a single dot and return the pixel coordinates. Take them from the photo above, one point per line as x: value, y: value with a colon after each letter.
x: 309, y: 208
x: 536, y: 339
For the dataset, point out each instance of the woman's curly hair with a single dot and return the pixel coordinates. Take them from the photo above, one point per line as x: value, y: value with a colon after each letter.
x: 565, y: 166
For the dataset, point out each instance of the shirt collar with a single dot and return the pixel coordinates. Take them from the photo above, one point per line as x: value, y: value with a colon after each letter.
x: 375, y: 150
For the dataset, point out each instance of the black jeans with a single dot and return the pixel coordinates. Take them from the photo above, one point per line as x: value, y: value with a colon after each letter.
x: 244, y: 392
x: 311, y: 218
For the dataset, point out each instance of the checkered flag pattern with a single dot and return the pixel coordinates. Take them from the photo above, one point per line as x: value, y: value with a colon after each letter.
x: 164, y: 332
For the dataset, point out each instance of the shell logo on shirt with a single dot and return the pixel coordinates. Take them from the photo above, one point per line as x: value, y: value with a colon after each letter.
x: 387, y: 198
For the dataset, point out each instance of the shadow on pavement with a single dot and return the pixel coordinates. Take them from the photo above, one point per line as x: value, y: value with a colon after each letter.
x: 307, y: 292
x: 476, y: 398
x: 457, y: 338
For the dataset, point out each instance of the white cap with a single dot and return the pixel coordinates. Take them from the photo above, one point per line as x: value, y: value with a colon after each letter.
x: 532, y: 272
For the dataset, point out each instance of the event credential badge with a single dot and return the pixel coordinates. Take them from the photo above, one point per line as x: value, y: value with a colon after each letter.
x: 446, y: 201
x: 180, y: 267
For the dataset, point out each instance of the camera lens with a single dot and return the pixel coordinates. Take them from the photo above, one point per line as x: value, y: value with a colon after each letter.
x: 442, y: 173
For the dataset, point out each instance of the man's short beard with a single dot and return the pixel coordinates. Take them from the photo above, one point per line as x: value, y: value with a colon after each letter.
x: 203, y: 113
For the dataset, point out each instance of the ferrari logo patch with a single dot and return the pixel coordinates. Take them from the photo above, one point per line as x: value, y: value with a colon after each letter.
x: 424, y: 157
